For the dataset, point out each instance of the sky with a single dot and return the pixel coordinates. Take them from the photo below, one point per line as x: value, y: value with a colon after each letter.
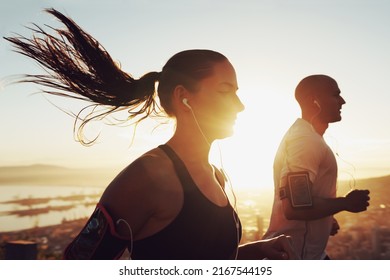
x: 272, y: 44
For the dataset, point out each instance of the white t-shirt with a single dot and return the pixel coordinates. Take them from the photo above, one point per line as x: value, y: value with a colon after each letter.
x: 303, y: 149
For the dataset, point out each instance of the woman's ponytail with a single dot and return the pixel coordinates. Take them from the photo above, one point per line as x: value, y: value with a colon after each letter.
x: 79, y: 67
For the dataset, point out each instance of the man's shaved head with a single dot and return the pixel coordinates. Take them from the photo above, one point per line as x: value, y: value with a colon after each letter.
x: 311, y: 86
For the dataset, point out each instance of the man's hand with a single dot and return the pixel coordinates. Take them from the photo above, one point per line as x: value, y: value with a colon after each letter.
x: 335, y: 227
x: 357, y: 201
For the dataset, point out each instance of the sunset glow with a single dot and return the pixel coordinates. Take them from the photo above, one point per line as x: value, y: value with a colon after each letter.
x: 50, y: 183
x: 269, y: 59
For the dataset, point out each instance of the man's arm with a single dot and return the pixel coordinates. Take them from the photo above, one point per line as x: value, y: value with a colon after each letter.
x: 355, y: 201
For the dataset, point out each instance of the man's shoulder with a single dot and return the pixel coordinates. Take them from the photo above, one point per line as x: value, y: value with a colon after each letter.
x: 302, y: 130
x: 301, y: 138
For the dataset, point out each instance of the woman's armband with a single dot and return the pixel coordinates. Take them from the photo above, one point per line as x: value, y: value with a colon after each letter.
x: 98, y: 240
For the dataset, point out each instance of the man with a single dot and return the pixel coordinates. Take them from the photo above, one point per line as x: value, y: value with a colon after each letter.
x: 305, y: 173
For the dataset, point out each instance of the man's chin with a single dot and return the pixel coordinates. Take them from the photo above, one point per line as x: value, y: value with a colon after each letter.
x: 336, y: 120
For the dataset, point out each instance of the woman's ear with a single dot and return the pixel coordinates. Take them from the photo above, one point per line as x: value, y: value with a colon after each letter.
x: 181, y: 97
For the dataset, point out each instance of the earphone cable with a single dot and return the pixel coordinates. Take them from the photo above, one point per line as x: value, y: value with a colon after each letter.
x: 227, y: 179
x: 130, y: 233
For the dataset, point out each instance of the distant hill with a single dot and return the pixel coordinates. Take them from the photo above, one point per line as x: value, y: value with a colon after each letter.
x: 40, y: 174
x: 379, y: 188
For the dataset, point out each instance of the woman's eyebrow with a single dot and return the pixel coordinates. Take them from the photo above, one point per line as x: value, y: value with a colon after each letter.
x: 229, y: 85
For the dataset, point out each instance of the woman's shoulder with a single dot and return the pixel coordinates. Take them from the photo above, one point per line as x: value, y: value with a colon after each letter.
x: 149, y: 165
x: 141, y: 190
x: 145, y: 171
x: 143, y: 177
x: 153, y: 162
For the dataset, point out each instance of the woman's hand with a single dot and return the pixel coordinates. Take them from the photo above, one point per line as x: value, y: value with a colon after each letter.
x: 277, y: 248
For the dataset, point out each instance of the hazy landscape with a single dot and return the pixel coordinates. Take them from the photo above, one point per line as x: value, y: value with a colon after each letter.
x: 41, y: 174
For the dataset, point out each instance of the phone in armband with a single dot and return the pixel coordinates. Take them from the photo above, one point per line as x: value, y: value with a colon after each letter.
x: 298, y: 189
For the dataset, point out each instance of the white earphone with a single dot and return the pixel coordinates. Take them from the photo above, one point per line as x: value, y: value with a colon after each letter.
x: 318, y: 104
x: 185, y: 102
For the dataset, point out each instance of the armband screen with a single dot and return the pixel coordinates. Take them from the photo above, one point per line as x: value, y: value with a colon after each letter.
x: 299, y: 189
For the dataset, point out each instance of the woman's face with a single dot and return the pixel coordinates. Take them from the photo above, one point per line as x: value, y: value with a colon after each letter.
x: 216, y: 103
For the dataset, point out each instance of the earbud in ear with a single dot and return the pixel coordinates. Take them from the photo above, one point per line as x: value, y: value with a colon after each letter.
x: 185, y: 102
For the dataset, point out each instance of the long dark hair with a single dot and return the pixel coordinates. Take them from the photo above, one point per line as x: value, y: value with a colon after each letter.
x: 79, y: 67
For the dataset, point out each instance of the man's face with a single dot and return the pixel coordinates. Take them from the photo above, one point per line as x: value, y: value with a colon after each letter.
x: 330, y: 101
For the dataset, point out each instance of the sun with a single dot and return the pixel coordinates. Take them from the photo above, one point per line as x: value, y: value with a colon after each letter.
x: 247, y: 156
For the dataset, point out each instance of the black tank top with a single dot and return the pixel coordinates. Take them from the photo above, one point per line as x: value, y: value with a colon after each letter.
x: 201, y: 231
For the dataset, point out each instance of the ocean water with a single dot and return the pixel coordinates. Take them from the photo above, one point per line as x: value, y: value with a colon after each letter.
x: 24, y: 207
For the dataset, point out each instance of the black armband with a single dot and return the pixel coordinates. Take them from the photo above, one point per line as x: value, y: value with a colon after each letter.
x: 282, y: 192
x: 98, y: 240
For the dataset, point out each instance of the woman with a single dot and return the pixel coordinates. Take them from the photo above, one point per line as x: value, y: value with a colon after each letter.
x: 169, y: 203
